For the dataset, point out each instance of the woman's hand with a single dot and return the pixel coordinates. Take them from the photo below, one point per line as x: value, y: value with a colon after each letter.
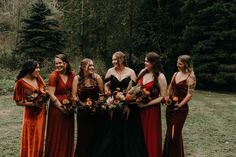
x: 141, y: 105
x: 177, y: 107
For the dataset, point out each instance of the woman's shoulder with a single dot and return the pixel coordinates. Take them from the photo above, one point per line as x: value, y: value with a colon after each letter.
x: 53, y: 73
x: 77, y: 77
x: 129, y: 70
x: 19, y: 82
x: 192, y: 77
x: 97, y: 76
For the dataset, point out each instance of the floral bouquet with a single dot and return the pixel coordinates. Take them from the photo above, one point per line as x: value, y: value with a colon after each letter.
x: 171, y: 102
x: 38, y: 97
x: 115, y: 102
x: 138, y: 94
x: 68, y: 105
x: 89, y: 105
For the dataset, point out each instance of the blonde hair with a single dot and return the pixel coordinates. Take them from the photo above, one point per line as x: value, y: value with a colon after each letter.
x: 187, y: 60
x: 121, y: 58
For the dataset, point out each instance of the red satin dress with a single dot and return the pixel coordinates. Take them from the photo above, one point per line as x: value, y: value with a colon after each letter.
x: 60, y: 127
x: 175, y: 121
x: 33, y: 128
x: 151, y: 123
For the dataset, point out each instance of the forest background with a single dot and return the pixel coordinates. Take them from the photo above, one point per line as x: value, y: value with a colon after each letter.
x: 205, y: 29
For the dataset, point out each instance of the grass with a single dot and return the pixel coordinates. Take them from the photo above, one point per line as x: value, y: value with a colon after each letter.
x: 208, y: 131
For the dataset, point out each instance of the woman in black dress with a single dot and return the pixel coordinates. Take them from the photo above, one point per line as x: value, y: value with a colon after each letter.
x: 86, y: 85
x: 120, y: 137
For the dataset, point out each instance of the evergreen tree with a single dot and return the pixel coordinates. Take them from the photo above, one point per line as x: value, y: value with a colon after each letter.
x: 210, y: 37
x: 40, y: 36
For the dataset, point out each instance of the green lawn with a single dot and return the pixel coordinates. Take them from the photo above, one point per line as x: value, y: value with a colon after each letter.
x: 209, y: 130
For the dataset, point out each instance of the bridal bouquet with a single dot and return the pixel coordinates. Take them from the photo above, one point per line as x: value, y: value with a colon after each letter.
x: 38, y: 97
x: 171, y: 102
x: 117, y: 102
x: 138, y: 94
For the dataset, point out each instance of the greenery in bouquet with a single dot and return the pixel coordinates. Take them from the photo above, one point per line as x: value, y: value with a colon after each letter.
x: 68, y: 105
x: 91, y: 105
x: 138, y: 94
x: 117, y: 101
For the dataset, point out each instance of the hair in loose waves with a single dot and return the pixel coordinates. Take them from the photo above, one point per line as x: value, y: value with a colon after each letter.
x: 64, y: 58
x: 27, y: 68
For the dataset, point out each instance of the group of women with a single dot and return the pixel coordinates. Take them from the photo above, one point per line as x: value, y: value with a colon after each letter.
x: 98, y: 135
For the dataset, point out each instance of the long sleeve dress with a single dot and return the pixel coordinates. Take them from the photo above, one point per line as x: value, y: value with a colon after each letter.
x: 175, y: 122
x: 60, y: 126
x: 33, y: 127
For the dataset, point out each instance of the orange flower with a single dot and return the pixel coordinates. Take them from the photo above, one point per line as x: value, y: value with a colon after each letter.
x: 88, y: 102
x: 175, y: 98
x: 65, y: 101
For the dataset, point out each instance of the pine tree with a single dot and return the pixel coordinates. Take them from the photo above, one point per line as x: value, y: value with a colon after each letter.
x: 210, y: 37
x: 40, y: 36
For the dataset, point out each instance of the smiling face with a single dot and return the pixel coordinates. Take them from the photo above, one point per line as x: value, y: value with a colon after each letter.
x: 89, y: 68
x: 35, y: 73
x: 60, y: 66
x: 148, y: 65
x: 115, y: 61
x: 180, y: 65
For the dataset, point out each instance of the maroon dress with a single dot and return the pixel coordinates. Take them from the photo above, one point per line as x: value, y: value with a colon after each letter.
x: 88, y: 123
x: 175, y: 121
x: 151, y: 122
x: 60, y: 127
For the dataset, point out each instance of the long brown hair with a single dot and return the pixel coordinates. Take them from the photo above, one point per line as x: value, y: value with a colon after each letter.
x: 81, y: 73
x: 64, y: 58
x: 155, y: 60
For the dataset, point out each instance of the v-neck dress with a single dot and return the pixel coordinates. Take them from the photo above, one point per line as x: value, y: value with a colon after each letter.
x: 33, y: 127
x: 119, y: 137
x: 175, y: 122
x: 60, y: 126
x: 151, y: 122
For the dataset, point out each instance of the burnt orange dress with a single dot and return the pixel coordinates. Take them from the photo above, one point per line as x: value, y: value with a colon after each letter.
x: 60, y: 127
x: 34, y: 118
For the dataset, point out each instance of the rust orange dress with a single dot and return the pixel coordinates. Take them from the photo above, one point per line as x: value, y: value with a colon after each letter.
x: 34, y: 118
x: 151, y: 122
x: 175, y: 122
x: 60, y: 127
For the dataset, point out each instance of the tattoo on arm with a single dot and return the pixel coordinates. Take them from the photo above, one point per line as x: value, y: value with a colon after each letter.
x: 191, y: 84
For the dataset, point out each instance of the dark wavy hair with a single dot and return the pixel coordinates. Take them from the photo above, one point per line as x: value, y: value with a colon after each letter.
x: 27, y: 68
x: 64, y: 58
x: 155, y: 60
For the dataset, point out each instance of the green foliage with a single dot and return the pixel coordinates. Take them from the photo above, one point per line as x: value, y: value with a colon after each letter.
x: 210, y: 36
x: 40, y: 37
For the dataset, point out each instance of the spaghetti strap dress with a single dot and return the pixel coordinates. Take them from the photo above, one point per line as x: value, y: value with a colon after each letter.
x: 151, y: 122
x: 175, y: 121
